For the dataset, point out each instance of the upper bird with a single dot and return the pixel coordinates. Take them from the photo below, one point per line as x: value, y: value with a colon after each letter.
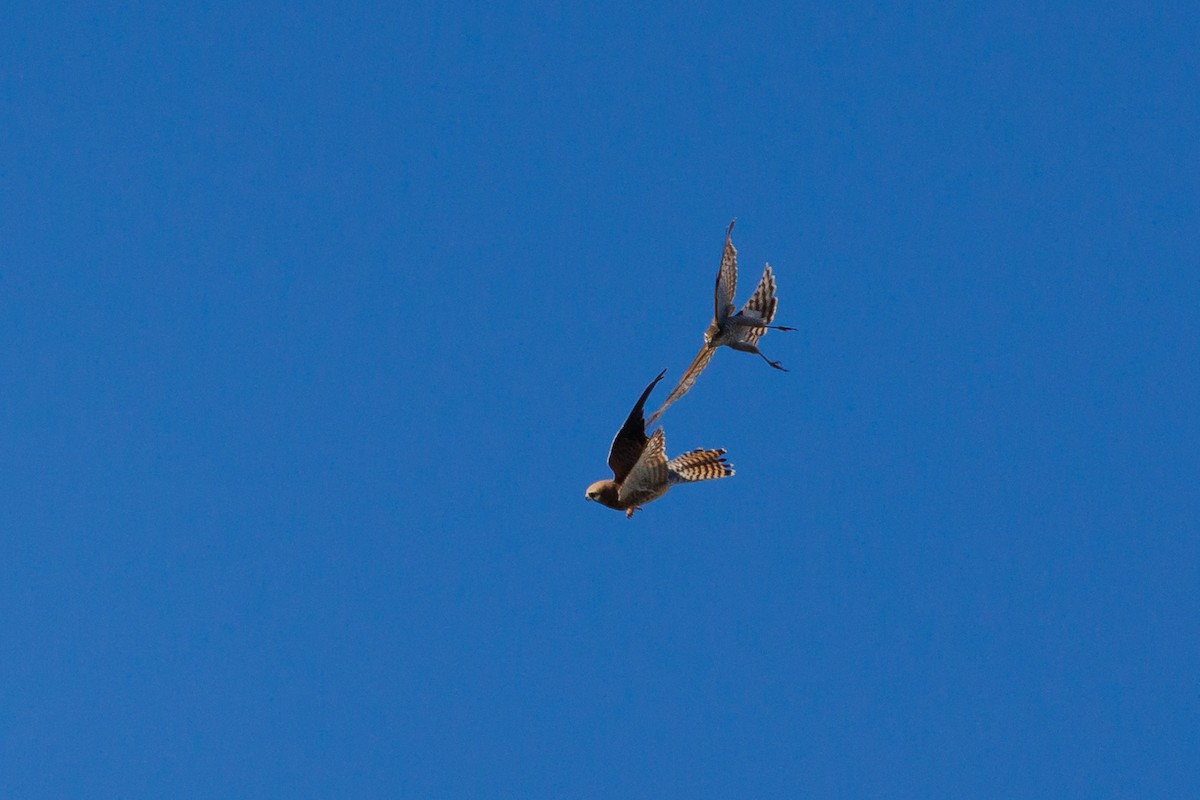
x: 741, y: 331
x: 641, y: 471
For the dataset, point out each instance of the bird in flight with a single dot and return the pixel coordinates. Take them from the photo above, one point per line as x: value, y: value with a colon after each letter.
x: 641, y: 471
x: 741, y: 331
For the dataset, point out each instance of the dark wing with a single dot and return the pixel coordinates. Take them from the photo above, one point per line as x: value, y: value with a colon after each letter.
x: 629, y: 442
x: 697, y: 366
x: 759, y: 310
x: 726, y: 279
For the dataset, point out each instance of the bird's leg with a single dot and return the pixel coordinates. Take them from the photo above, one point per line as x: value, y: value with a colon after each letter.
x: 629, y: 511
x: 780, y: 328
x: 774, y: 364
x: 746, y: 347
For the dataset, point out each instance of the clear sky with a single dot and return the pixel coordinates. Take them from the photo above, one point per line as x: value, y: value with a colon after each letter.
x: 316, y: 323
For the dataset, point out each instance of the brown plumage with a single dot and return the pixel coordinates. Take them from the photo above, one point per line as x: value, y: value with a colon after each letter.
x: 641, y: 471
x: 741, y: 331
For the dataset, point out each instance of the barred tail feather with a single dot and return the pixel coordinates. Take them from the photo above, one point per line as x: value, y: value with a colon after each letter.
x: 699, y: 465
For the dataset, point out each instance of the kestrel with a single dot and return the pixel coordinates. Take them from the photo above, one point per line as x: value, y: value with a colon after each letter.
x: 641, y: 471
x: 741, y: 331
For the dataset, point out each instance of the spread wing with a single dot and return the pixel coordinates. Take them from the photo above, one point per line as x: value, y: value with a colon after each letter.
x: 752, y: 319
x: 649, y: 476
x: 630, y: 441
x: 726, y: 279
x: 689, y: 377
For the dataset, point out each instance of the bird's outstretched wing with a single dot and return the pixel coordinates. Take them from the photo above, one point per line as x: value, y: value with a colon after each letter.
x: 649, y: 476
x: 630, y: 441
x: 685, y: 383
x: 726, y: 279
x: 752, y: 320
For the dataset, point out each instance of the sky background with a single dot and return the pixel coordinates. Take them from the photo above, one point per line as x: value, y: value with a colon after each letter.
x: 316, y: 322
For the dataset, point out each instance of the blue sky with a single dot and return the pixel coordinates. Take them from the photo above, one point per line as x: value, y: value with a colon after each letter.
x: 317, y: 322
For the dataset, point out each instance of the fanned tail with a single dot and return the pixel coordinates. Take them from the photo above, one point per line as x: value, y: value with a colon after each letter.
x: 699, y: 465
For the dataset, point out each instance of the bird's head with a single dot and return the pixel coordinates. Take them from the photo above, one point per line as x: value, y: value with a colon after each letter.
x: 604, y: 492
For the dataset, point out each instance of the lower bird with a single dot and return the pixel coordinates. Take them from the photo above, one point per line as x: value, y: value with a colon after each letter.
x: 641, y: 471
